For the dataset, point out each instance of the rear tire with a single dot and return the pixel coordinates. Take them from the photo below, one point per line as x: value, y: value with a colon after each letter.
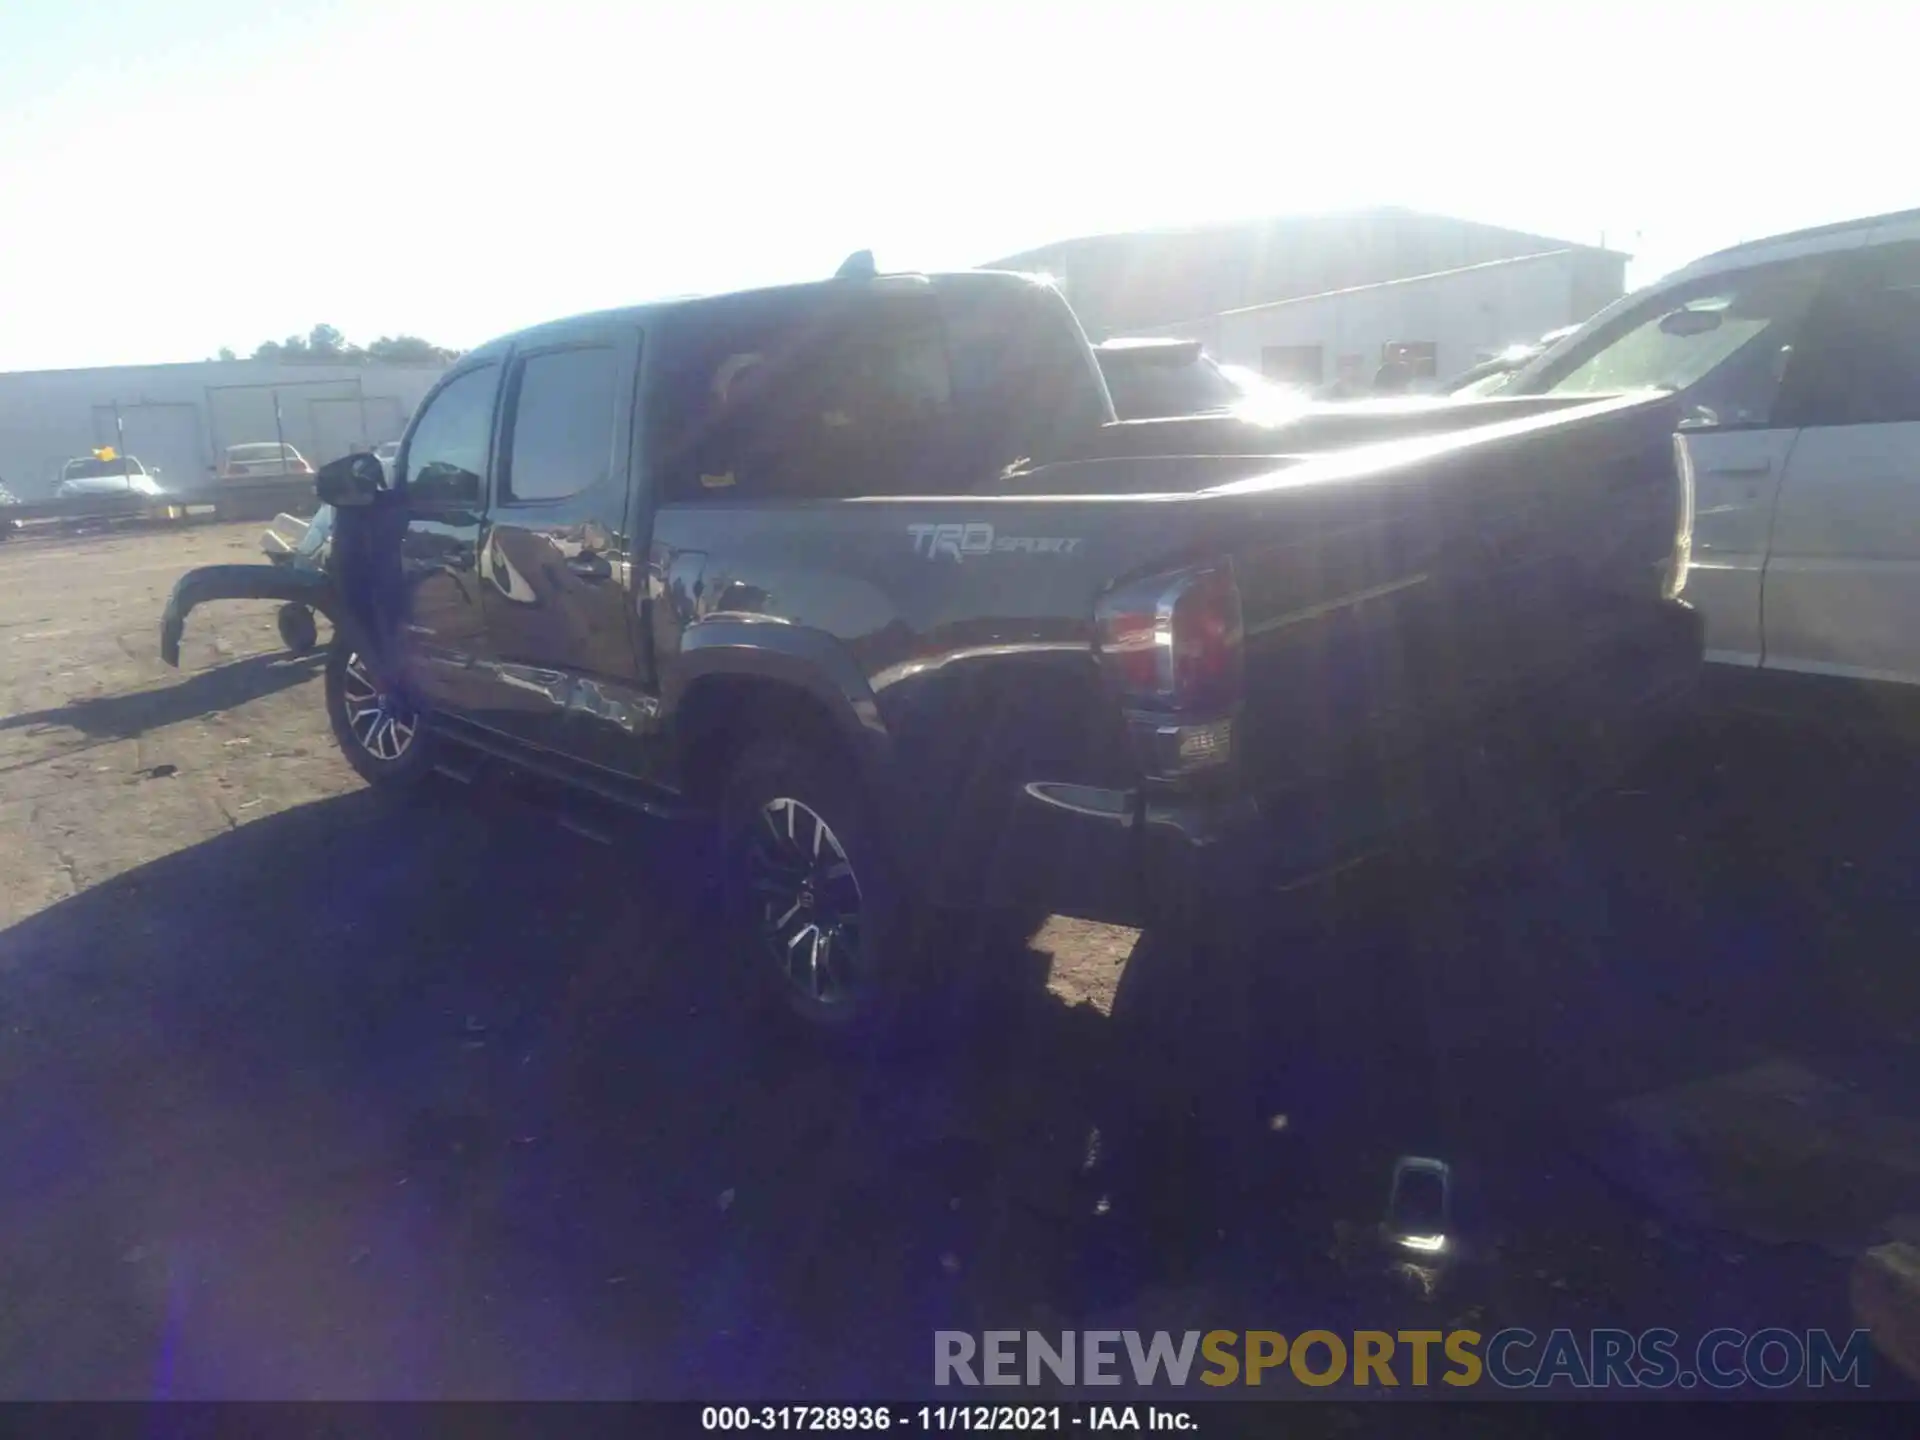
x: 383, y: 736
x: 812, y: 896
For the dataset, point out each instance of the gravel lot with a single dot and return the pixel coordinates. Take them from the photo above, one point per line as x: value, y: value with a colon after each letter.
x: 308, y: 1095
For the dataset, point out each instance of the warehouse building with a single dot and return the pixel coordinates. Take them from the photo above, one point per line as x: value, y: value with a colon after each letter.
x: 180, y: 419
x: 1318, y: 298
x: 1437, y: 325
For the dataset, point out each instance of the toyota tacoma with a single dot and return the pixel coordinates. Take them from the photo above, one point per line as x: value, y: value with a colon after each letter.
x: 866, y: 574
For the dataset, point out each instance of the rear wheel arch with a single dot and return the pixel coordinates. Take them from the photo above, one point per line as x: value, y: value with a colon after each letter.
x: 734, y: 684
x: 724, y: 714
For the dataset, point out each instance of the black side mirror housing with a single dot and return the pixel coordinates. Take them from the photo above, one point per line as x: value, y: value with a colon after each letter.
x: 1684, y: 322
x: 349, y: 482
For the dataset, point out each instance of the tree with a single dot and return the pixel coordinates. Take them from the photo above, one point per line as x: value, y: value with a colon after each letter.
x: 325, y: 342
x: 409, y: 350
x: 325, y: 345
x: 226, y: 353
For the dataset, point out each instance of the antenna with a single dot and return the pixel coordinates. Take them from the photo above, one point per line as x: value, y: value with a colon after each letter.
x: 857, y: 266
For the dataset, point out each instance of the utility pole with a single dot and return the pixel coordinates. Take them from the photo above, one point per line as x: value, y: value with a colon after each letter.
x: 279, y: 433
x: 120, y: 444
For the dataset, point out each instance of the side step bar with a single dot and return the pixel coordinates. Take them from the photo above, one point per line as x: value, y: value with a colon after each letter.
x: 602, y: 785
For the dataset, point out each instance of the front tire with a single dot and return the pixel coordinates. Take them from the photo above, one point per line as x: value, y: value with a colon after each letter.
x: 383, y: 735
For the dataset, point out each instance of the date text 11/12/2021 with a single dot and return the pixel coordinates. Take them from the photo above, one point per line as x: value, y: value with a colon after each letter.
x: 944, y: 1419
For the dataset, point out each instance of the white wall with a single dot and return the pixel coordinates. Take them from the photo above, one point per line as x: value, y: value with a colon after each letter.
x: 1469, y: 314
x: 181, y: 417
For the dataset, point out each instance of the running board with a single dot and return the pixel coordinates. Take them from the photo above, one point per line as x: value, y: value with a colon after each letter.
x: 603, y: 785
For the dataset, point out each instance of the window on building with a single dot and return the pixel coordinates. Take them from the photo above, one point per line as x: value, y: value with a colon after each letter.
x: 1420, y: 357
x: 447, y: 454
x: 1292, y: 364
x: 561, y: 431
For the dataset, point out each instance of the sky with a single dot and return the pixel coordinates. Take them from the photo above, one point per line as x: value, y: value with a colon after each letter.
x: 179, y: 175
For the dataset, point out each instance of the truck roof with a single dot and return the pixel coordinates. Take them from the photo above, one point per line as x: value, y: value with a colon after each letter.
x: 647, y: 312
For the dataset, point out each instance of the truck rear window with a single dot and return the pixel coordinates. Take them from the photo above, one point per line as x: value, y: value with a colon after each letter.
x: 811, y: 397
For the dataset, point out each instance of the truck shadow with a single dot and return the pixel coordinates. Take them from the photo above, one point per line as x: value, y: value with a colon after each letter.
x: 376, y: 1100
x: 122, y: 716
x: 440, y: 1099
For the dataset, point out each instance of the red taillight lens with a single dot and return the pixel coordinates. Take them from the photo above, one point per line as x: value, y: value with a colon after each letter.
x: 1173, y: 642
x: 1206, y: 641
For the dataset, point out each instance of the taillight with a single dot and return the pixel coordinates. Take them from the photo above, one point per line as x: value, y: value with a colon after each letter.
x: 1171, y: 647
x: 300, y: 467
x: 1172, y: 642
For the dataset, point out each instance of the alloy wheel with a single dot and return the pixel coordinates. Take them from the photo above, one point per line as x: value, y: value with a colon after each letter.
x: 807, y: 900
x: 383, y: 724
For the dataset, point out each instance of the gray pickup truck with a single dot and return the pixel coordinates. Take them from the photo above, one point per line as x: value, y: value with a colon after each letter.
x: 866, y: 573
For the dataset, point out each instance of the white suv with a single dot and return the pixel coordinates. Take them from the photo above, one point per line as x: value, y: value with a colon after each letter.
x: 1797, y: 363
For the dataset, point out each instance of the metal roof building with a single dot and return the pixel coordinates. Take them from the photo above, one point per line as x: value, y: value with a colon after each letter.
x: 179, y: 419
x: 1144, y: 280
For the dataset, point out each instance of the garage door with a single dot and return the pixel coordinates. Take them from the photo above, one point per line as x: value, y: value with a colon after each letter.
x: 341, y: 426
x: 167, y: 439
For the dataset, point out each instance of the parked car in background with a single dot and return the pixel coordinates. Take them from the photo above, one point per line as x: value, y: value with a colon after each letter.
x: 114, y: 486
x: 867, y: 575
x: 267, y: 461
x: 1796, y: 364
x: 93, y: 475
x: 245, y: 469
x: 8, y: 525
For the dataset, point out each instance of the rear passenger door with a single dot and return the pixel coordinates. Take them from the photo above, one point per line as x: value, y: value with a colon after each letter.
x: 556, y: 566
x: 1842, y: 594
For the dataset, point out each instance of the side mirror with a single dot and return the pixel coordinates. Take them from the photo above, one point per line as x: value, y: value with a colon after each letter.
x: 352, y: 480
x: 1684, y: 322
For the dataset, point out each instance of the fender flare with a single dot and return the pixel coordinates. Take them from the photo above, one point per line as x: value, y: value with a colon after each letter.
x: 285, y: 583
x: 241, y: 582
x: 811, y: 660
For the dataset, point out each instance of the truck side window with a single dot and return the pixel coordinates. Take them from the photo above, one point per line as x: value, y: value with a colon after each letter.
x: 1860, y: 363
x: 561, y: 427
x: 446, y: 456
x: 845, y: 397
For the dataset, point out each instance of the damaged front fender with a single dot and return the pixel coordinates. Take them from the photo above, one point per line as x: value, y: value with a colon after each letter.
x: 243, y: 582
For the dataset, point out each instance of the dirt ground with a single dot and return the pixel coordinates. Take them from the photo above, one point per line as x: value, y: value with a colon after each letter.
x: 306, y: 1095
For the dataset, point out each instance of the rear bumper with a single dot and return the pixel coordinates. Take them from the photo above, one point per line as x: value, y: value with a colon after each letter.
x: 1454, y: 800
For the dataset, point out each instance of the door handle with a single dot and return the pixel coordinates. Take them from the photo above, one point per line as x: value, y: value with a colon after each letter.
x: 590, y: 565
x: 1738, y: 472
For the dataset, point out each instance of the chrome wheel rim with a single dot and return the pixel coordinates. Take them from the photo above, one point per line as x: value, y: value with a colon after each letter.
x: 807, y: 901
x: 383, y: 724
